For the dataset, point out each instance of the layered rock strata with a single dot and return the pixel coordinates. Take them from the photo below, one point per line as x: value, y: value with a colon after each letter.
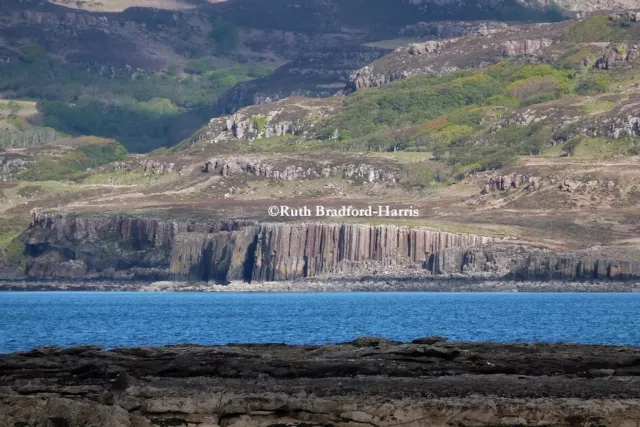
x: 367, y: 382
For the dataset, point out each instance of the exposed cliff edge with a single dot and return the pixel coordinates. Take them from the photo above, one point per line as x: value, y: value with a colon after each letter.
x: 367, y: 382
x: 291, y: 116
x: 222, y: 251
x: 119, y: 247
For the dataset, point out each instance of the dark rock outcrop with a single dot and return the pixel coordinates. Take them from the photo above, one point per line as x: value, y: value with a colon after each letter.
x: 617, y: 54
x: 154, y: 167
x: 370, y: 381
x: 123, y: 247
x: 512, y: 182
x: 518, y: 262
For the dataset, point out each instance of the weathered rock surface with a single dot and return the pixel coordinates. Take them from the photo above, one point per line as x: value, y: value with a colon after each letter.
x: 230, y: 165
x: 222, y: 251
x: 519, y: 262
x: 12, y: 164
x: 370, y: 381
x: 487, y: 46
x: 131, y: 248
x: 515, y: 48
x: 514, y: 181
x: 617, y: 54
x: 291, y: 116
x: 151, y: 166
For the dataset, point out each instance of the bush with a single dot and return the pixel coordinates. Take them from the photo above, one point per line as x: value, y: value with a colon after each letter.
x: 413, y: 101
x: 85, y: 157
x: 259, y: 122
x: 569, y: 147
x: 593, y: 83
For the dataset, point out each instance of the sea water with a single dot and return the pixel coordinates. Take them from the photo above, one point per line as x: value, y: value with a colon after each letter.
x: 121, y: 319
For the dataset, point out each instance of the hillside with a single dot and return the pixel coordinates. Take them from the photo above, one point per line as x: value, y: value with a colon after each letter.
x: 516, y: 143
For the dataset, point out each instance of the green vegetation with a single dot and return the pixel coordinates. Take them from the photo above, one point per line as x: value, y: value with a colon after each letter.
x: 143, y: 111
x: 598, y: 29
x: 593, y: 83
x: 259, y: 122
x: 569, y: 147
x: 11, y: 249
x: 24, y: 135
x: 452, y: 116
x: 90, y: 155
x: 225, y: 35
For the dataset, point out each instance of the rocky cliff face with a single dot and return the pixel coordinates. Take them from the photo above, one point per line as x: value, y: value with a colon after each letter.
x: 127, y: 247
x: 11, y: 164
x: 486, y: 46
x: 527, y: 263
x: 291, y: 116
x: 123, y: 247
x: 362, y: 172
x: 151, y: 166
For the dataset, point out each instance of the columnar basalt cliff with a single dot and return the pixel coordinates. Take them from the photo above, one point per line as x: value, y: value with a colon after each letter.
x: 222, y: 251
x: 520, y: 262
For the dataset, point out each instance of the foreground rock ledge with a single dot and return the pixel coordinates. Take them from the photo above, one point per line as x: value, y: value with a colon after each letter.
x: 368, y: 382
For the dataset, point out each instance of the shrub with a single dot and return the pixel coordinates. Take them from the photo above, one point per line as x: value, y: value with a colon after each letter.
x: 14, y: 109
x: 569, y: 147
x: 73, y: 162
x: 593, y: 83
x: 345, y: 135
x: 259, y: 122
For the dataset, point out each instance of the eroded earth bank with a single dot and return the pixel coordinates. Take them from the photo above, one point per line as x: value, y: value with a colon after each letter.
x: 367, y: 382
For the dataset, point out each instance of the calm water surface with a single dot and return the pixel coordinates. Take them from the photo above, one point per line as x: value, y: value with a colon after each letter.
x: 29, y: 320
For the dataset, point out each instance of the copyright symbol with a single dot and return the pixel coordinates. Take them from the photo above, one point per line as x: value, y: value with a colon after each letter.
x: 274, y: 211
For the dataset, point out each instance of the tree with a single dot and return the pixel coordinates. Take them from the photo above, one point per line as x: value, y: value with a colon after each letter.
x: 225, y: 35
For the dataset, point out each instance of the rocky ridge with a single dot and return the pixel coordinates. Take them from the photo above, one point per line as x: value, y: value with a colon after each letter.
x: 485, y: 47
x: 291, y: 116
x: 361, y: 172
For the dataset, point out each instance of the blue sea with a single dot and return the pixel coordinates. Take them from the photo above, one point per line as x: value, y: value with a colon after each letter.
x: 114, y: 319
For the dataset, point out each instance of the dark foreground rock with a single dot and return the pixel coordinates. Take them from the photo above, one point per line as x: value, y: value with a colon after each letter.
x: 368, y: 382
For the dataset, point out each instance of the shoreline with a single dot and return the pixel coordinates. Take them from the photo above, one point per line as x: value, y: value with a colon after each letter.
x: 369, y: 381
x: 330, y: 285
